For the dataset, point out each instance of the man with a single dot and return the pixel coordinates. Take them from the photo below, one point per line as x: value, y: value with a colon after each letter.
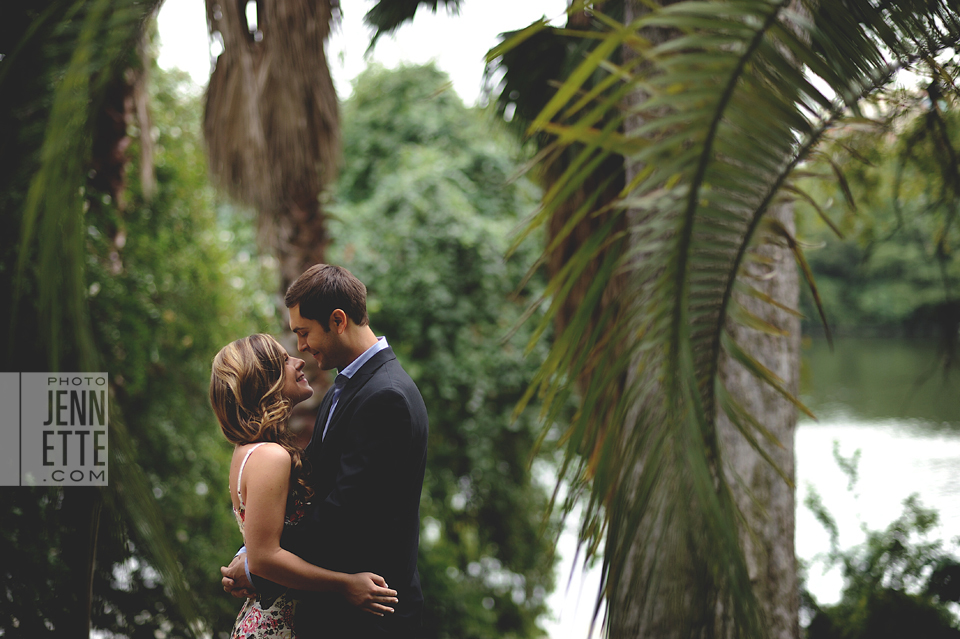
x: 368, y: 454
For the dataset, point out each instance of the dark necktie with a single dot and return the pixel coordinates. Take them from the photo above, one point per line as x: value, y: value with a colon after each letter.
x: 338, y: 385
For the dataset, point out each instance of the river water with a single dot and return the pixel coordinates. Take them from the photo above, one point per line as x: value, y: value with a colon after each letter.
x: 887, y: 399
x: 890, y: 400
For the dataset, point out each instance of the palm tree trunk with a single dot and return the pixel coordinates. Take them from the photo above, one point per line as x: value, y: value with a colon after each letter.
x: 675, y: 605
x: 272, y: 122
x: 273, y: 133
x: 766, y: 501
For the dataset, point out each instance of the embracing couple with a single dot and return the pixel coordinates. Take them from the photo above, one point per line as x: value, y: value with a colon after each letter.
x: 331, y: 531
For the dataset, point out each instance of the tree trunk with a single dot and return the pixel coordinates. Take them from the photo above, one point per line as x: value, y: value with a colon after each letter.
x: 675, y: 607
x: 273, y: 133
x: 272, y: 123
x: 767, y: 502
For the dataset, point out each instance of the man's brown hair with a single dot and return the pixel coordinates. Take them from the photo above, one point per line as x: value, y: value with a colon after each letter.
x: 322, y: 289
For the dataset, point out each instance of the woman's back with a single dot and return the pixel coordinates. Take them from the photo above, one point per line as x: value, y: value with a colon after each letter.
x: 239, y: 484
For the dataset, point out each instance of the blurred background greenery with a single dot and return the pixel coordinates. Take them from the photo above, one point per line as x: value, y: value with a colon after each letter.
x: 423, y: 211
x: 422, y: 215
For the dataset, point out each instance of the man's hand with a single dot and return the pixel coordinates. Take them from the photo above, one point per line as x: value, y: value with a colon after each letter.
x: 369, y: 592
x: 235, y: 578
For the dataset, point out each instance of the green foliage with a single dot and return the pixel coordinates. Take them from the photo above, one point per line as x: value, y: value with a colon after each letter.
x: 897, y: 270
x: 163, y: 301
x: 897, y: 583
x: 722, y: 108
x: 167, y: 280
x: 387, y: 16
x: 424, y: 212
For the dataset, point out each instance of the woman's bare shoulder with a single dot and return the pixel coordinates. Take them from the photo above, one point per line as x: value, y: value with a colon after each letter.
x: 269, y: 463
x: 266, y: 458
x: 269, y: 453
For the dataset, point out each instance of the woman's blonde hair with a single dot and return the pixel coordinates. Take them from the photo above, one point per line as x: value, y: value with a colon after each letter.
x: 246, y: 392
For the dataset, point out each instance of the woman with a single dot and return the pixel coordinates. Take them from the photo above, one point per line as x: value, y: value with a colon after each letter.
x: 253, y: 387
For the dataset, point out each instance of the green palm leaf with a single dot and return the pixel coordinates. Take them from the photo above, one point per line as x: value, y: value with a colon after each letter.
x: 720, y: 115
x: 51, y: 255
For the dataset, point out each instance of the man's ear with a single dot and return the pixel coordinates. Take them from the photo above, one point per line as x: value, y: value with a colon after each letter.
x: 338, y: 321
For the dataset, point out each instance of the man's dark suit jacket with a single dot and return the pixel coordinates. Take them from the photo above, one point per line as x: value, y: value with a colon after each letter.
x: 365, y: 516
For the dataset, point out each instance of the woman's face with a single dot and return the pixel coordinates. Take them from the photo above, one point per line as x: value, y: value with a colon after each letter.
x: 295, y: 385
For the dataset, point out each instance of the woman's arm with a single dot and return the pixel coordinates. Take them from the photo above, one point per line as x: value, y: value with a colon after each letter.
x: 265, y: 484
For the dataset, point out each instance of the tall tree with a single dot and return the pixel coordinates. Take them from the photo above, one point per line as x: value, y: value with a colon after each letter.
x: 272, y: 122
x: 712, y: 109
x: 156, y: 298
x: 61, y: 61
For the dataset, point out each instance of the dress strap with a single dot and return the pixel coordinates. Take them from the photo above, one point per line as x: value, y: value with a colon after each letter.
x: 244, y: 463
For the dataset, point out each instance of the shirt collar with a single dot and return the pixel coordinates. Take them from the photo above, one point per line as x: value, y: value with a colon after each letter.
x: 356, y: 364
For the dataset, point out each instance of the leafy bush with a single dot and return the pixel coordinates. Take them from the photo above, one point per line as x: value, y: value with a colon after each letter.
x: 897, y: 584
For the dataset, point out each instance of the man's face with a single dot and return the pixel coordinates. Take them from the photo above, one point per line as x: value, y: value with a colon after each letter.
x: 313, y: 339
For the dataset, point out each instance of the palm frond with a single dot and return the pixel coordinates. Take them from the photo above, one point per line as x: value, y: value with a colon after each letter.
x: 718, y: 117
x: 51, y: 261
x: 271, y: 117
x: 388, y: 15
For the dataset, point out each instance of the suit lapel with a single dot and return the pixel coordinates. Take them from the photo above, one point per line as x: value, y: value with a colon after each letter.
x: 356, y: 383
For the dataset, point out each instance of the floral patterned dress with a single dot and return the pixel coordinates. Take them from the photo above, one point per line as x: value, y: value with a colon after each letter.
x: 266, y: 615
